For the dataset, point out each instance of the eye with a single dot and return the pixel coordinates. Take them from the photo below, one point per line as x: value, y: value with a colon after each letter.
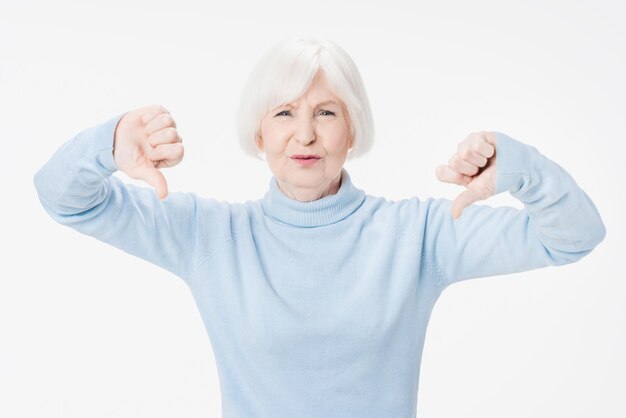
x: 323, y: 112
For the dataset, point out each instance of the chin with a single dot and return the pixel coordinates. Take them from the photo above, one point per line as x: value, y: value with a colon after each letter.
x: 305, y: 178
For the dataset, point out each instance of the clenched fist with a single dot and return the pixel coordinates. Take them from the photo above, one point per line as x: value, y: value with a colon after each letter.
x: 473, y: 166
x: 146, y: 140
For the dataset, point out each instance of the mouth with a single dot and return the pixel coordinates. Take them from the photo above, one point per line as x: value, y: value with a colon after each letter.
x: 305, y: 157
x: 305, y: 160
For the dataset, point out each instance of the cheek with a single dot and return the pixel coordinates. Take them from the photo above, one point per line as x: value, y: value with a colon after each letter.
x: 335, y: 137
x: 274, y: 138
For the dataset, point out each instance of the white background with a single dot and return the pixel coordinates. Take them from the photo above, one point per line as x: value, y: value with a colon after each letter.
x: 88, y: 331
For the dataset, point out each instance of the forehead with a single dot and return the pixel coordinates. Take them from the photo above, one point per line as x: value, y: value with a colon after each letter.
x: 319, y: 92
x: 322, y: 101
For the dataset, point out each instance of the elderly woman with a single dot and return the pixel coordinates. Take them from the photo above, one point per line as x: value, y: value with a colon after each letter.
x: 316, y: 297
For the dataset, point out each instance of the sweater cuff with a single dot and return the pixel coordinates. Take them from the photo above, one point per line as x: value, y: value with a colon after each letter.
x: 514, y: 163
x: 103, y: 142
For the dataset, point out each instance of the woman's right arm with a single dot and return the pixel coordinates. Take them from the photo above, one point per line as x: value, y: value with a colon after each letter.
x: 76, y: 188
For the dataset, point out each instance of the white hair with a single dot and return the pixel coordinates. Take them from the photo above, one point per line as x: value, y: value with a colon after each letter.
x: 283, y: 74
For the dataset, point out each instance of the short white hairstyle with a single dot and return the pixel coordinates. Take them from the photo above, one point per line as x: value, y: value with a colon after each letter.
x: 284, y: 72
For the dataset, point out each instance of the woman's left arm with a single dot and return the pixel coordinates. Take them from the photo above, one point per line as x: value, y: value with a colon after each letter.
x: 559, y: 223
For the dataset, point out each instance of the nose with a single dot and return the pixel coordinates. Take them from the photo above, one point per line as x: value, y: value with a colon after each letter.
x: 305, y: 131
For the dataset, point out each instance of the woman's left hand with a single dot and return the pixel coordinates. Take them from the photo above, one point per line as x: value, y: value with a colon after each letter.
x: 473, y: 166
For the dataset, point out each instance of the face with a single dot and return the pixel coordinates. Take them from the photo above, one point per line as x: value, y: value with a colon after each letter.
x: 317, y: 123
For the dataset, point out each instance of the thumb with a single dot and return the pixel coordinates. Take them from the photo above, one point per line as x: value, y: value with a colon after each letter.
x: 463, y: 200
x: 156, y: 179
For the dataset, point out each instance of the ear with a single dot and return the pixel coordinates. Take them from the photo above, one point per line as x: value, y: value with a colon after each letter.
x: 259, y: 142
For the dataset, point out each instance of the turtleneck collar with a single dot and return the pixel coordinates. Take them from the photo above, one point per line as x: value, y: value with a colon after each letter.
x: 327, y: 210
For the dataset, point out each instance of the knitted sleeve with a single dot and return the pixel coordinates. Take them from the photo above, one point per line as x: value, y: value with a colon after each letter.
x: 76, y: 188
x: 559, y: 223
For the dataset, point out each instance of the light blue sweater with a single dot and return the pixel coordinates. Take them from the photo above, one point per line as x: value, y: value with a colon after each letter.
x: 319, y: 309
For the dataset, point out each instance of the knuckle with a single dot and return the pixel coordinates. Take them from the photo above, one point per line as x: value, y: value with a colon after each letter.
x: 171, y: 133
x: 446, y: 174
x: 457, y: 163
x: 152, y: 152
x: 487, y: 135
x: 476, y: 138
x: 168, y: 120
x: 482, y: 190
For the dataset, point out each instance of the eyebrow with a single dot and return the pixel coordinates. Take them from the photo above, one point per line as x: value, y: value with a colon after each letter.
x: 325, y: 102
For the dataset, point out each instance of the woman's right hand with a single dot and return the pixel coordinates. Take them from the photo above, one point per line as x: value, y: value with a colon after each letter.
x: 146, y: 140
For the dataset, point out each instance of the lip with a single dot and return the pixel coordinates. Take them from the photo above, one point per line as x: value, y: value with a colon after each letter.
x: 298, y: 159
x: 306, y: 156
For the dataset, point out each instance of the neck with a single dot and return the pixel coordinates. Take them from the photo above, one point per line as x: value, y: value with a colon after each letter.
x: 323, y: 211
x: 310, y: 194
